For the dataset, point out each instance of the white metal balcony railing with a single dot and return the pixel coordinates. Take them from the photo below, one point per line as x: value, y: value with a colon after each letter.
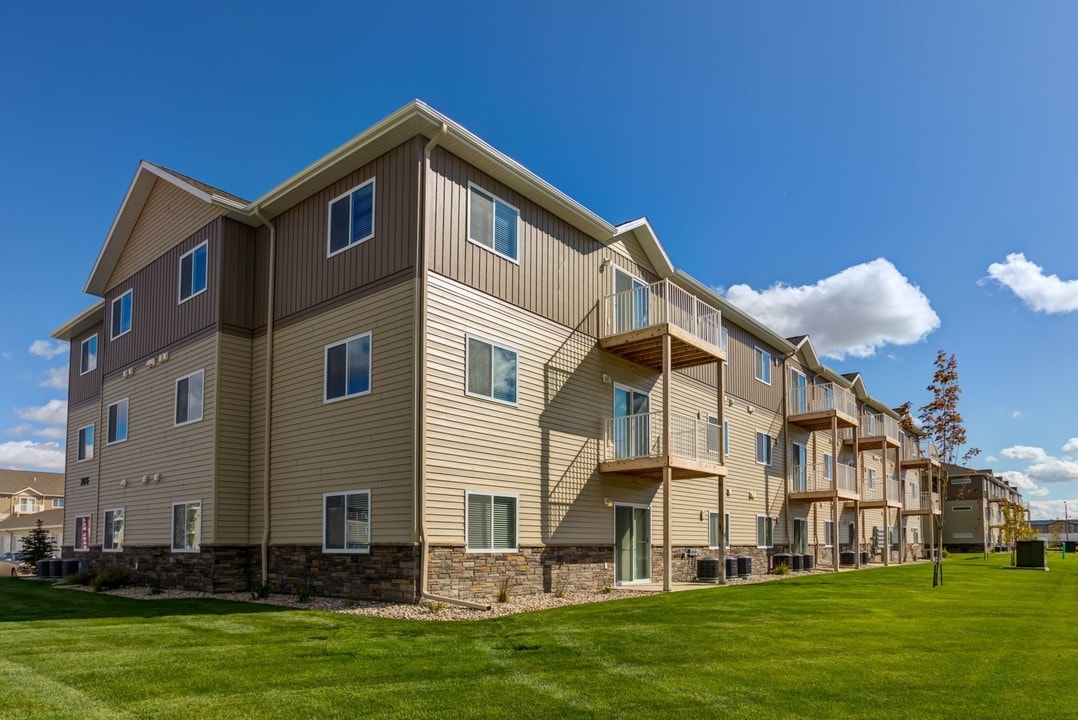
x: 631, y: 437
x: 922, y: 501
x: 820, y: 477
x: 658, y: 303
x: 912, y: 450
x: 820, y: 398
x: 879, y: 424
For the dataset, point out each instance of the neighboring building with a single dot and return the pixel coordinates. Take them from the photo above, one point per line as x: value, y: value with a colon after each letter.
x: 973, y: 514
x: 467, y: 381
x: 24, y: 496
x: 1055, y: 531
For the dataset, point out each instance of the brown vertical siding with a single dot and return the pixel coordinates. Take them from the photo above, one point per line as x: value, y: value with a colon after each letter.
x: 83, y: 387
x: 241, y: 306
x: 157, y: 318
x: 307, y: 278
x: 741, y: 379
x: 559, y: 273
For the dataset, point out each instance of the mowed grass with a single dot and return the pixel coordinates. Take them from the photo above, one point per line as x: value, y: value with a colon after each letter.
x: 990, y: 643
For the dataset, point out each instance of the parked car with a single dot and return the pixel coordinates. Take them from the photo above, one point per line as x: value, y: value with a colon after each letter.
x: 13, y: 557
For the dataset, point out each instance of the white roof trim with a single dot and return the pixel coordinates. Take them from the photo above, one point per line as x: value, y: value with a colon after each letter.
x: 80, y: 322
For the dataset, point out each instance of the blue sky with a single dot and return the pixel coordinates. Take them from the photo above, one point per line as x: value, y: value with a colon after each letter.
x: 782, y: 143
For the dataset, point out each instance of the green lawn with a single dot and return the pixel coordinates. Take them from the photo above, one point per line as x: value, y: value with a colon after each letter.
x: 881, y: 643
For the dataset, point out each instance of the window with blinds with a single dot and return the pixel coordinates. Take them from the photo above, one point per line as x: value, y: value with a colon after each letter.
x: 348, y: 368
x: 346, y: 519
x: 491, y: 370
x: 186, y: 526
x: 189, y: 397
x: 763, y: 448
x: 713, y: 531
x: 113, y: 540
x: 85, y: 450
x: 765, y: 531
x: 492, y: 223
x: 351, y: 218
x: 492, y: 521
x: 762, y: 367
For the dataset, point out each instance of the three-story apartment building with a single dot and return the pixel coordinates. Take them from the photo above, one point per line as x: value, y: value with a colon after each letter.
x: 974, y: 509
x: 417, y: 369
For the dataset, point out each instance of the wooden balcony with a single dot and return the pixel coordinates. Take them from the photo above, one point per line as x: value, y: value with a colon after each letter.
x: 916, y: 457
x: 816, y: 483
x: 873, y: 497
x: 815, y: 406
x: 878, y: 432
x: 632, y: 445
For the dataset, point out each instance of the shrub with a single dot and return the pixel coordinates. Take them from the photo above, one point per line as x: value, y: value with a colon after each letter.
x: 434, y: 607
x: 83, y: 577
x: 503, y: 592
x: 156, y: 586
x: 111, y: 578
x: 303, y: 593
x: 945, y: 554
x: 781, y: 569
x: 259, y: 589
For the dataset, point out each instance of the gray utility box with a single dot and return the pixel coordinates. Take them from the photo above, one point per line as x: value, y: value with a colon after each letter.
x: 1031, y: 554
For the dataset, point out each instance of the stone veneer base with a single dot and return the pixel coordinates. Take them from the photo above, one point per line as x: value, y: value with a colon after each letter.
x: 212, y: 569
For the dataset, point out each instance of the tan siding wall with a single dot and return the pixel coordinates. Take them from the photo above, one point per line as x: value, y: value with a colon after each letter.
x: 359, y: 443
x: 183, y: 456
x: 558, y: 276
x: 233, y: 487
x: 755, y: 489
x: 307, y: 278
x: 169, y: 215
x: 81, y: 499
x: 158, y: 320
x: 84, y: 387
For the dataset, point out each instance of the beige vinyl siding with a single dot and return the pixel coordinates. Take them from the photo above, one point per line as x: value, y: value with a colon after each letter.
x: 357, y: 443
x: 81, y: 499
x: 233, y: 488
x: 169, y: 215
x: 182, y: 456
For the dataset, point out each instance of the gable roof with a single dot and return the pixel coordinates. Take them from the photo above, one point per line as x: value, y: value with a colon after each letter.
x: 48, y: 518
x: 14, y: 481
x: 81, y: 323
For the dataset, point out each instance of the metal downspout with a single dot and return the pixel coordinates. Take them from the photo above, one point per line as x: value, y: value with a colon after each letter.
x: 268, y: 411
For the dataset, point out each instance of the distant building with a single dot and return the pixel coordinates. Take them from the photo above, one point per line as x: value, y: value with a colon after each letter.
x: 973, y: 509
x: 24, y: 498
x: 1045, y: 529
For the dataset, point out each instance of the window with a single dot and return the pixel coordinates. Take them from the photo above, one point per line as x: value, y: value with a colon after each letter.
x: 27, y: 505
x: 492, y: 223
x: 962, y: 536
x: 492, y: 371
x: 86, y: 443
x: 351, y: 218
x: 713, y: 434
x: 828, y: 533
x: 189, y: 395
x: 763, y: 366
x: 82, y: 533
x: 726, y: 437
x: 724, y: 339
x: 871, y: 479
x: 186, y: 526
x: 763, y: 448
x: 960, y: 481
x: 765, y: 531
x: 57, y: 502
x: 346, y: 522
x: 117, y: 429
x: 828, y: 466
x: 348, y: 368
x: 193, y: 272
x: 121, y: 316
x: 88, y: 355
x: 913, y: 491
x: 962, y: 508
x: 491, y: 522
x: 713, y: 530
x: 113, y: 540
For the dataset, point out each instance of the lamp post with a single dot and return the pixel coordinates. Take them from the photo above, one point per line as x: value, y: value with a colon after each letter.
x: 1066, y: 530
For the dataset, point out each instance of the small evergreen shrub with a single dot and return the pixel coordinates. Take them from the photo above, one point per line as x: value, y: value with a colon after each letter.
x: 83, y: 577
x: 303, y: 593
x: 111, y: 578
x: 781, y: 569
x: 155, y: 585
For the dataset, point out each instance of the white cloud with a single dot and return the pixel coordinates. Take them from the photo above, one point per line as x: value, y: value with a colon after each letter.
x: 1071, y: 447
x: 56, y: 433
x: 1027, y: 486
x: 1051, y: 509
x: 854, y: 312
x: 7, y: 354
x: 1016, y: 414
x: 54, y: 412
x: 991, y: 459
x: 1044, y: 293
x: 1024, y: 452
x: 55, y: 378
x: 46, y: 349
x: 26, y: 454
x: 18, y: 430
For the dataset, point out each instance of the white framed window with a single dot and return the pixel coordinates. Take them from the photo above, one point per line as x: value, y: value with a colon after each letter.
x: 491, y: 371
x: 871, y: 478
x: 117, y: 425
x: 88, y: 355
x: 113, y: 540
x: 121, y: 315
x: 713, y: 530
x: 828, y: 466
x: 960, y: 481
x: 186, y: 526
x: 712, y: 433
x: 828, y: 533
x: 193, y: 271
x: 492, y: 223
x: 347, y: 368
x: 189, y: 397
x: 962, y: 508
x: 491, y: 522
x: 724, y: 339
x: 85, y: 449
x: 763, y: 448
x: 762, y: 365
x: 82, y: 533
x: 914, y: 491
x: 346, y: 522
x: 351, y: 218
x: 916, y: 534
x: 27, y: 505
x: 726, y: 437
x: 57, y: 502
x: 765, y: 531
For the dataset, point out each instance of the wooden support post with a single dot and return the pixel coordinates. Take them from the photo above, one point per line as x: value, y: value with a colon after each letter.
x: 668, y: 553
x: 834, y: 491
x: 886, y: 525
x: 722, y: 531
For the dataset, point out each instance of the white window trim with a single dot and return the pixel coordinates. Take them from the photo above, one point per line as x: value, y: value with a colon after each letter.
x: 176, y: 397
x: 112, y: 330
x: 82, y: 346
x: 725, y: 528
x: 468, y: 337
x: 180, y: 299
x: 172, y: 527
x: 108, y: 427
x: 828, y: 536
x: 89, y: 535
x: 105, y: 525
x: 33, y: 504
x: 325, y: 370
x: 57, y: 500
x: 370, y: 526
x: 468, y: 220
x: 757, y: 528
x: 79, y: 444
x: 330, y: 252
x: 726, y: 438
x: 770, y: 453
x: 758, y: 349
x: 516, y: 522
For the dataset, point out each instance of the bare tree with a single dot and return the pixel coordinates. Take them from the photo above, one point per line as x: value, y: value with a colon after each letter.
x: 943, y: 423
